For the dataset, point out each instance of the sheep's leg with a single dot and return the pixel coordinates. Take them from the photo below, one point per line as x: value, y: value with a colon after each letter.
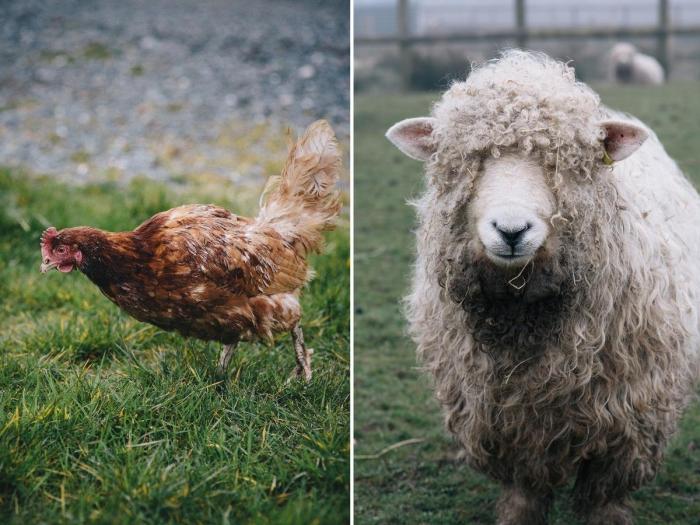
x: 225, y: 358
x: 518, y: 506
x: 302, y: 353
x: 600, y: 494
x: 611, y: 513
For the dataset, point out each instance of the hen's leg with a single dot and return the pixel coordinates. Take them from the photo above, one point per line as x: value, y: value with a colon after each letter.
x: 303, y: 354
x: 225, y: 358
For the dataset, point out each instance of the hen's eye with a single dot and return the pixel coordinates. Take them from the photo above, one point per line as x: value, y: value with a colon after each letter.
x: 61, y: 250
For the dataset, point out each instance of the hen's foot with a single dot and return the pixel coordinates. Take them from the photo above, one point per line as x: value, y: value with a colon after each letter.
x: 305, y: 371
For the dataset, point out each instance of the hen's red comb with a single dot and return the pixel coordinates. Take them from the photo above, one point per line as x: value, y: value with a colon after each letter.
x: 49, y: 233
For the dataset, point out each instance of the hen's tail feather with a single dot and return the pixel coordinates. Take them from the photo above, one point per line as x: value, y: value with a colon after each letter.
x: 302, y: 202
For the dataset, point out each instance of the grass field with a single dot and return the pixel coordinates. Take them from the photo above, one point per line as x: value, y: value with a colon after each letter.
x: 107, y: 420
x: 424, y: 482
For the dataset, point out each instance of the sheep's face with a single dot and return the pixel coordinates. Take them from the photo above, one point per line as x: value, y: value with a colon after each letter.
x: 623, y: 54
x: 510, y: 210
x: 493, y: 237
x: 499, y: 244
x: 622, y: 57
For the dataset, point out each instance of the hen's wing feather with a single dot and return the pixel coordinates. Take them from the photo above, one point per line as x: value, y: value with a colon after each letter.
x: 209, y: 242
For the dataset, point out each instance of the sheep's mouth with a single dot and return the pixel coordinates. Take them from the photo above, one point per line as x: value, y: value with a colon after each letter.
x: 509, y: 259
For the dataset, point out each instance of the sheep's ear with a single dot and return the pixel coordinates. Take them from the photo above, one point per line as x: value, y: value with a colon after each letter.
x: 412, y: 137
x: 622, y: 138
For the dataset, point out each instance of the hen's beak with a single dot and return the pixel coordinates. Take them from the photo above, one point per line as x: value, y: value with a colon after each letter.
x: 46, y: 266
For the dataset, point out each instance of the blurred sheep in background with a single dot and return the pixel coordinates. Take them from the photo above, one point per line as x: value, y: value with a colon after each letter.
x: 629, y: 66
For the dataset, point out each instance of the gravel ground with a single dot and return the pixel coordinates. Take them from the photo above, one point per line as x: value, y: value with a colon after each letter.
x: 163, y: 88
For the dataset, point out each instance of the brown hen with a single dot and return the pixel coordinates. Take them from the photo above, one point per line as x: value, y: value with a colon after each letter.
x: 207, y: 273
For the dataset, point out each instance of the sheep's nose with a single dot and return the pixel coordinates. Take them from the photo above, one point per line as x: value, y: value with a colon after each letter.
x: 512, y: 234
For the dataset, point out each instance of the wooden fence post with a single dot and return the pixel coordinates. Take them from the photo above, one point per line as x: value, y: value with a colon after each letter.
x: 405, y: 64
x: 664, y: 50
x: 520, y: 23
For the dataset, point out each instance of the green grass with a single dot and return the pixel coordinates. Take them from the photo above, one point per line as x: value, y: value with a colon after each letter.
x: 425, y: 482
x: 107, y: 420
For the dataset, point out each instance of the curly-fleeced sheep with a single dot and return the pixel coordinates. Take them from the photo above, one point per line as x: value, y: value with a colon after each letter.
x: 555, y: 294
x: 629, y: 66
